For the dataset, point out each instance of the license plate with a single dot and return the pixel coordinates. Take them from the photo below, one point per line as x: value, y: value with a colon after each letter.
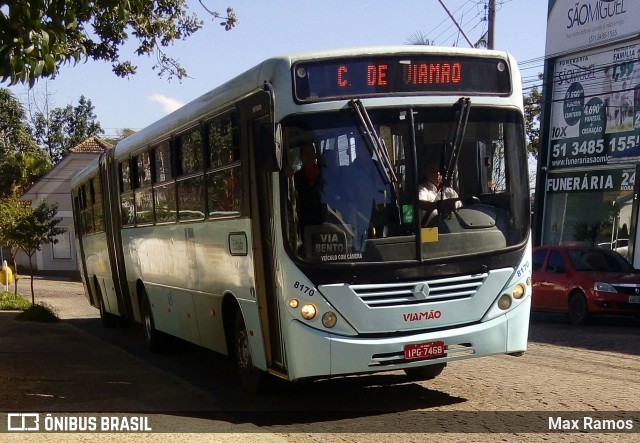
x: 634, y: 299
x: 421, y: 351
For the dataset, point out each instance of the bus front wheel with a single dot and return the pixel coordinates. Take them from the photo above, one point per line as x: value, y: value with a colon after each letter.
x: 426, y: 372
x: 251, y: 378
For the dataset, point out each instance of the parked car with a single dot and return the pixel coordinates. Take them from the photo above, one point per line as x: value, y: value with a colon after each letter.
x: 584, y: 281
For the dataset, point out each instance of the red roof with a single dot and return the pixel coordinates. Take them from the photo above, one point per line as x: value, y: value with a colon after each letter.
x: 92, y: 145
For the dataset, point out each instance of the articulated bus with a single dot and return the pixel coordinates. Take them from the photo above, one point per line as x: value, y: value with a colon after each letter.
x: 278, y: 218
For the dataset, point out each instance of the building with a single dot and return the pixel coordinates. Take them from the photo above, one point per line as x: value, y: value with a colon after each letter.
x: 590, y: 147
x: 54, y: 187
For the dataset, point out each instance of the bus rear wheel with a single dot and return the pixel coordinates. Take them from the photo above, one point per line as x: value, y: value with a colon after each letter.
x: 152, y: 336
x: 426, y: 372
x: 108, y: 320
x: 251, y: 378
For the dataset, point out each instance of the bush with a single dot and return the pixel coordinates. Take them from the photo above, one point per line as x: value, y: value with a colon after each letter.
x: 39, y: 312
x: 11, y: 302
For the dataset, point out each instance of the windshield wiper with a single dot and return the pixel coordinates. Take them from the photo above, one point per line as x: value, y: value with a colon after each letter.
x: 374, y: 142
x: 453, y: 144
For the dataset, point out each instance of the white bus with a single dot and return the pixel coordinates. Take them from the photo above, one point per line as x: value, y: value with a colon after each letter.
x: 277, y: 219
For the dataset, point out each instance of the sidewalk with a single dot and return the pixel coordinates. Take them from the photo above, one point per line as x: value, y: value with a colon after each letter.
x: 56, y: 367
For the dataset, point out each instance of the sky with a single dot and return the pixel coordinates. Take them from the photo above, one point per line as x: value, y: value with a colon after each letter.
x: 277, y: 27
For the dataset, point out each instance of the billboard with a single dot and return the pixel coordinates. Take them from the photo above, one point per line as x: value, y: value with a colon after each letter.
x: 576, y: 24
x: 595, y: 109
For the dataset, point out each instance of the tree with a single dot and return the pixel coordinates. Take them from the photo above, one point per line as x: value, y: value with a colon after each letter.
x: 21, y: 160
x: 532, y: 109
x: 39, y: 36
x: 11, y: 211
x: 65, y: 128
x: 34, y: 228
x: 121, y: 135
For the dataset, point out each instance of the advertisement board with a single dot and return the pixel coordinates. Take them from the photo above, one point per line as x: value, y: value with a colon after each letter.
x: 595, y: 109
x: 573, y: 25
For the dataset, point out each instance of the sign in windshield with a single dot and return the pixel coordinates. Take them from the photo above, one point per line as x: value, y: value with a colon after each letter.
x: 399, y: 74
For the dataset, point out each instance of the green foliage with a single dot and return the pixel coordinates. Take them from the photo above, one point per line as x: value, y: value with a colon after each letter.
x: 28, y: 228
x: 13, y: 302
x: 11, y: 212
x: 21, y: 160
x: 41, y: 312
x: 532, y: 110
x: 65, y: 128
x: 37, y: 37
x: 590, y: 231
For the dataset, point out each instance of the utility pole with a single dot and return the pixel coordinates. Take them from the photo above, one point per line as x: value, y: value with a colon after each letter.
x: 492, y: 24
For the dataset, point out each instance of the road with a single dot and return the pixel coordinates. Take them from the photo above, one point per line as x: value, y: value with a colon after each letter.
x: 569, y: 373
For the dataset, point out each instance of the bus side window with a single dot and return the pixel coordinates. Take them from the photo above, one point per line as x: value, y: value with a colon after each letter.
x: 164, y: 188
x: 126, y: 195
x: 224, y: 178
x: 98, y: 214
x: 191, y: 189
x: 143, y: 192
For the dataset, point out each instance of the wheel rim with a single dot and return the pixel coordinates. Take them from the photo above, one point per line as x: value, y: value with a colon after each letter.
x: 243, y: 351
x: 148, y: 322
x: 578, y: 309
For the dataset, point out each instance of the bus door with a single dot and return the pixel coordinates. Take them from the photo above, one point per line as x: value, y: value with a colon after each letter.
x: 77, y: 222
x: 256, y: 111
x: 112, y: 222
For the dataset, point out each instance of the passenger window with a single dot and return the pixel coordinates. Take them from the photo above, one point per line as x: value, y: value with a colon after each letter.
x: 127, y: 212
x: 162, y: 161
x: 224, y: 142
x: 224, y: 179
x: 190, y: 152
x: 164, y: 192
x: 143, y: 170
x: 125, y: 176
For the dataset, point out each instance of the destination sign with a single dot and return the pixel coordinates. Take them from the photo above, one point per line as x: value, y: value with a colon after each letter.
x: 432, y: 74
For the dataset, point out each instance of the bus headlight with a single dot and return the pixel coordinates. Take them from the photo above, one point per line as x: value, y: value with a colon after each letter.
x: 308, y: 311
x: 294, y: 303
x: 518, y: 291
x: 504, y: 302
x: 329, y: 319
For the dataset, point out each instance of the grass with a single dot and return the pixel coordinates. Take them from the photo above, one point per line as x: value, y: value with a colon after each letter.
x: 41, y: 312
x: 10, y: 302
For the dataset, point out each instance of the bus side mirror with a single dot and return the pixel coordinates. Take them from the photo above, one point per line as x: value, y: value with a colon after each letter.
x: 269, y: 152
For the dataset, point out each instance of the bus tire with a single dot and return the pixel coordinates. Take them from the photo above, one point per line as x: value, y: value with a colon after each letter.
x: 425, y: 372
x: 578, y: 311
x: 251, y: 378
x: 108, y: 320
x: 152, y: 336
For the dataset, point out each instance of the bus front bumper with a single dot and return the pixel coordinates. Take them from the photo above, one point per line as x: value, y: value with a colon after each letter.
x: 315, y: 353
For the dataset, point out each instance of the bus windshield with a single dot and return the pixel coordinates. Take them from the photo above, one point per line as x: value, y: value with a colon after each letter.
x: 341, y: 205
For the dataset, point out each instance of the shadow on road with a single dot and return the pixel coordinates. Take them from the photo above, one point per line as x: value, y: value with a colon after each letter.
x: 283, y: 403
x: 603, y: 333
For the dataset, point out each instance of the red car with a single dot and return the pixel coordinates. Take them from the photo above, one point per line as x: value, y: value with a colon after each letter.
x: 583, y: 281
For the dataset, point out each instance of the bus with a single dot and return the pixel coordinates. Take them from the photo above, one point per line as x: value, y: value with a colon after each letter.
x: 278, y: 219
